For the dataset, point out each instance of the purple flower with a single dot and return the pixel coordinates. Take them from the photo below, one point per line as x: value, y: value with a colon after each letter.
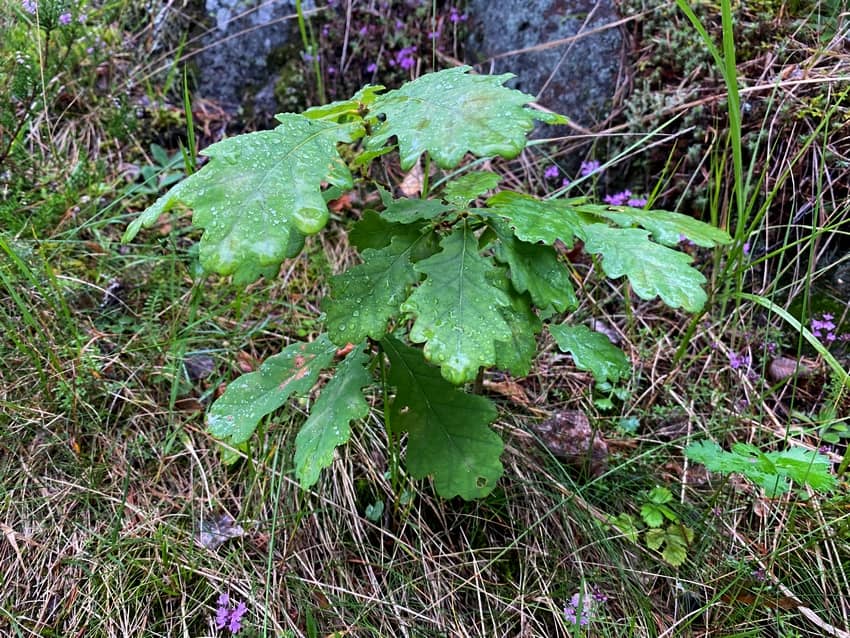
x: 405, y: 58
x: 236, y: 617
x: 371, y: 68
x: 579, y: 611
x: 331, y: 70
x: 433, y: 35
x: 588, y: 168
x: 824, y: 324
x: 227, y: 616
x: 637, y: 202
x: 739, y: 361
x: 363, y: 30
x: 746, y: 248
x: 551, y: 173
x: 455, y: 16
x: 618, y: 199
x: 223, y: 611
x: 65, y: 19
x: 565, y: 182
x: 29, y: 6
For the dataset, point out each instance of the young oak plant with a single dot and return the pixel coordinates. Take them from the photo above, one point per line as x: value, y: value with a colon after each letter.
x: 447, y: 286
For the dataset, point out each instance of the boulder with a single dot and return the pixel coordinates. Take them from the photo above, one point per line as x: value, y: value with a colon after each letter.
x: 576, y: 77
x: 237, y: 58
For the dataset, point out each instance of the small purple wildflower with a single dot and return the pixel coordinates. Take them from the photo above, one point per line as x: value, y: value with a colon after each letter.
x: 331, y: 70
x: 363, y: 30
x: 580, y: 609
x: 618, y: 199
x: 399, y: 25
x: 746, y: 248
x: 405, y: 58
x: 739, y: 361
x: 223, y: 611
x: 565, y: 182
x: 65, y: 19
x: 551, y: 173
x: 307, y: 57
x: 637, y: 202
x: 29, y: 6
x: 236, y: 617
x: 326, y: 31
x: 372, y: 67
x: 824, y: 325
x: 455, y: 16
x: 227, y: 616
x: 589, y: 167
x: 433, y: 35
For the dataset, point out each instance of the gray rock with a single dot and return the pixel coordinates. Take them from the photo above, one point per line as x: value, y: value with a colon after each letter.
x: 577, y: 78
x: 235, y: 62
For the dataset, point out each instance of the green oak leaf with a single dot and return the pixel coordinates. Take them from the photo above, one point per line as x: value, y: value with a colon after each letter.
x: 340, y: 402
x: 653, y: 270
x: 407, y: 210
x: 448, y: 430
x: 354, y: 107
x: 535, y: 220
x: 516, y: 355
x: 592, y: 351
x: 469, y: 186
x: 373, y: 231
x: 256, y: 189
x: 535, y: 269
x: 365, y: 297
x: 457, y: 308
x: 235, y: 414
x: 450, y: 113
x: 667, y: 228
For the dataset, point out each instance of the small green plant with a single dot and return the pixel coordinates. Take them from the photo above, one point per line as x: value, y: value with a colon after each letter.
x: 163, y: 172
x: 451, y: 283
x: 672, y: 539
x: 772, y: 471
